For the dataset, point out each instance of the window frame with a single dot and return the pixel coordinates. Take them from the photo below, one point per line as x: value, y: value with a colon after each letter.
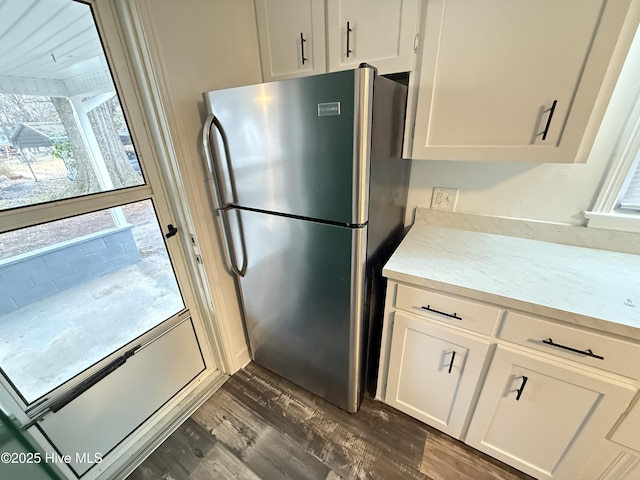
x: 162, y: 187
x: 606, y: 213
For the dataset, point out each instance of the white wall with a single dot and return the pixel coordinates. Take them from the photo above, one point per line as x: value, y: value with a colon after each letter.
x: 550, y: 192
x: 203, y: 45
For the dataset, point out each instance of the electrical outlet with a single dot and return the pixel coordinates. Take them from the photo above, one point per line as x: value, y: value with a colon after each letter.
x: 444, y: 198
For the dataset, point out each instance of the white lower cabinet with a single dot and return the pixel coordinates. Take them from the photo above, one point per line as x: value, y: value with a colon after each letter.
x: 628, y: 432
x: 505, y: 383
x: 610, y: 461
x: 541, y: 417
x: 433, y: 372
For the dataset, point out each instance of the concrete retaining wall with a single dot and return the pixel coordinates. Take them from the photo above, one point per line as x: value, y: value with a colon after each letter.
x: 32, y: 276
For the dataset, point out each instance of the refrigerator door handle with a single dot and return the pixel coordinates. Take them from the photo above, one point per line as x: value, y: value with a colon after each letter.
x: 220, y: 204
x: 212, y: 164
x: 229, y: 246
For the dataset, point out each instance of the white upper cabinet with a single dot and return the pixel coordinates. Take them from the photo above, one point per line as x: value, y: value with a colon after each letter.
x: 379, y: 32
x: 296, y: 38
x: 512, y: 81
x: 292, y: 38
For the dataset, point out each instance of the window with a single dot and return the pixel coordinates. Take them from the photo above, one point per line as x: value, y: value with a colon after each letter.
x: 618, y: 204
x: 630, y: 198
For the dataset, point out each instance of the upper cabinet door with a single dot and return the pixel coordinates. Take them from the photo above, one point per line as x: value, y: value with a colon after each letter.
x: 378, y: 32
x: 292, y: 38
x: 513, y: 81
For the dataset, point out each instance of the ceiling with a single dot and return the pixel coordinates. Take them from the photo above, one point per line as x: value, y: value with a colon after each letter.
x: 50, y: 47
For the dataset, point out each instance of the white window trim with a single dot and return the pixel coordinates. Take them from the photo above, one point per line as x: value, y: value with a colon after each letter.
x: 604, y: 214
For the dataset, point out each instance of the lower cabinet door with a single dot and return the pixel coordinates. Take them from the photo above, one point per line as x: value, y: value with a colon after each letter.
x: 542, y: 418
x: 433, y: 372
x: 611, y: 462
x: 628, y: 432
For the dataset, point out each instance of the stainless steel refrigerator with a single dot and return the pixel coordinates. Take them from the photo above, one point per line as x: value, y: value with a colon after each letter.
x: 310, y: 191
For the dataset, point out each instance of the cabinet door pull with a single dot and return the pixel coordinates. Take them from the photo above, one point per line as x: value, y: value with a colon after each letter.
x: 453, y: 356
x: 348, y: 35
x: 302, y: 40
x: 546, y: 128
x: 521, y: 389
x: 588, y: 352
x: 450, y: 315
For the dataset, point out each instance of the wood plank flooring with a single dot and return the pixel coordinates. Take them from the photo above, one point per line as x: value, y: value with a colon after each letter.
x: 261, y: 427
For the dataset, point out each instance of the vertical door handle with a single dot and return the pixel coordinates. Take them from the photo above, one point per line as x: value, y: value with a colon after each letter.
x: 348, y: 37
x: 229, y: 246
x: 453, y: 356
x: 546, y: 128
x: 212, y: 162
x: 221, y: 206
x: 302, y: 40
x: 521, y: 389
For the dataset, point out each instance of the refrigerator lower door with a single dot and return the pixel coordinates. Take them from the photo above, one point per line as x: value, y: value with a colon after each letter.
x: 303, y: 302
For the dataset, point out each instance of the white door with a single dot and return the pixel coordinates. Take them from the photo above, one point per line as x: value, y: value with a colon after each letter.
x: 292, y: 38
x: 380, y: 33
x: 433, y: 372
x: 543, y: 418
x: 97, y: 326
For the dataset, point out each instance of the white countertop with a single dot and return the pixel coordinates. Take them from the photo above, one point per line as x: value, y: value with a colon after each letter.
x: 585, y: 286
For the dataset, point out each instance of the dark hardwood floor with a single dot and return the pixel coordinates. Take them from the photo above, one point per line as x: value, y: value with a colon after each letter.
x: 261, y: 427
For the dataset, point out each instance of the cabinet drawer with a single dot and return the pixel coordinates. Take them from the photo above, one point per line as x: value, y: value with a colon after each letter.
x: 618, y: 356
x: 454, y: 311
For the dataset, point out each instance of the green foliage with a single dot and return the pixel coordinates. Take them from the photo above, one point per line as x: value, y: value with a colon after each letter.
x: 61, y: 150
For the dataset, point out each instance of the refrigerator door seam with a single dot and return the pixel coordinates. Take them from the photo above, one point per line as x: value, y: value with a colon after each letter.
x: 300, y: 217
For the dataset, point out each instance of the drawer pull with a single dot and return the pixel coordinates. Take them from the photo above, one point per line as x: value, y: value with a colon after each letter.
x: 451, y: 315
x: 586, y: 352
x: 453, y: 356
x: 521, y: 389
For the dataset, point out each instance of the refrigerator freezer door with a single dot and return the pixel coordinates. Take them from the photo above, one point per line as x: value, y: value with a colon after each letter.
x: 299, y: 146
x: 303, y: 301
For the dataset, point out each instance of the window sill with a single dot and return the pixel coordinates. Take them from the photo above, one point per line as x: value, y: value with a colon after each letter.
x: 625, y: 222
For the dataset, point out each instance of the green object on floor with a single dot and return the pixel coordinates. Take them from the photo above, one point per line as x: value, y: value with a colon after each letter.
x: 19, y: 459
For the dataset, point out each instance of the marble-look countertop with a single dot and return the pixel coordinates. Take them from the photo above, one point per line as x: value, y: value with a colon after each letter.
x: 584, y: 286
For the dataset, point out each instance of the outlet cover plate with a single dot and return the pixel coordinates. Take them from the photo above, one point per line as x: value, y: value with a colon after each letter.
x: 444, y: 198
